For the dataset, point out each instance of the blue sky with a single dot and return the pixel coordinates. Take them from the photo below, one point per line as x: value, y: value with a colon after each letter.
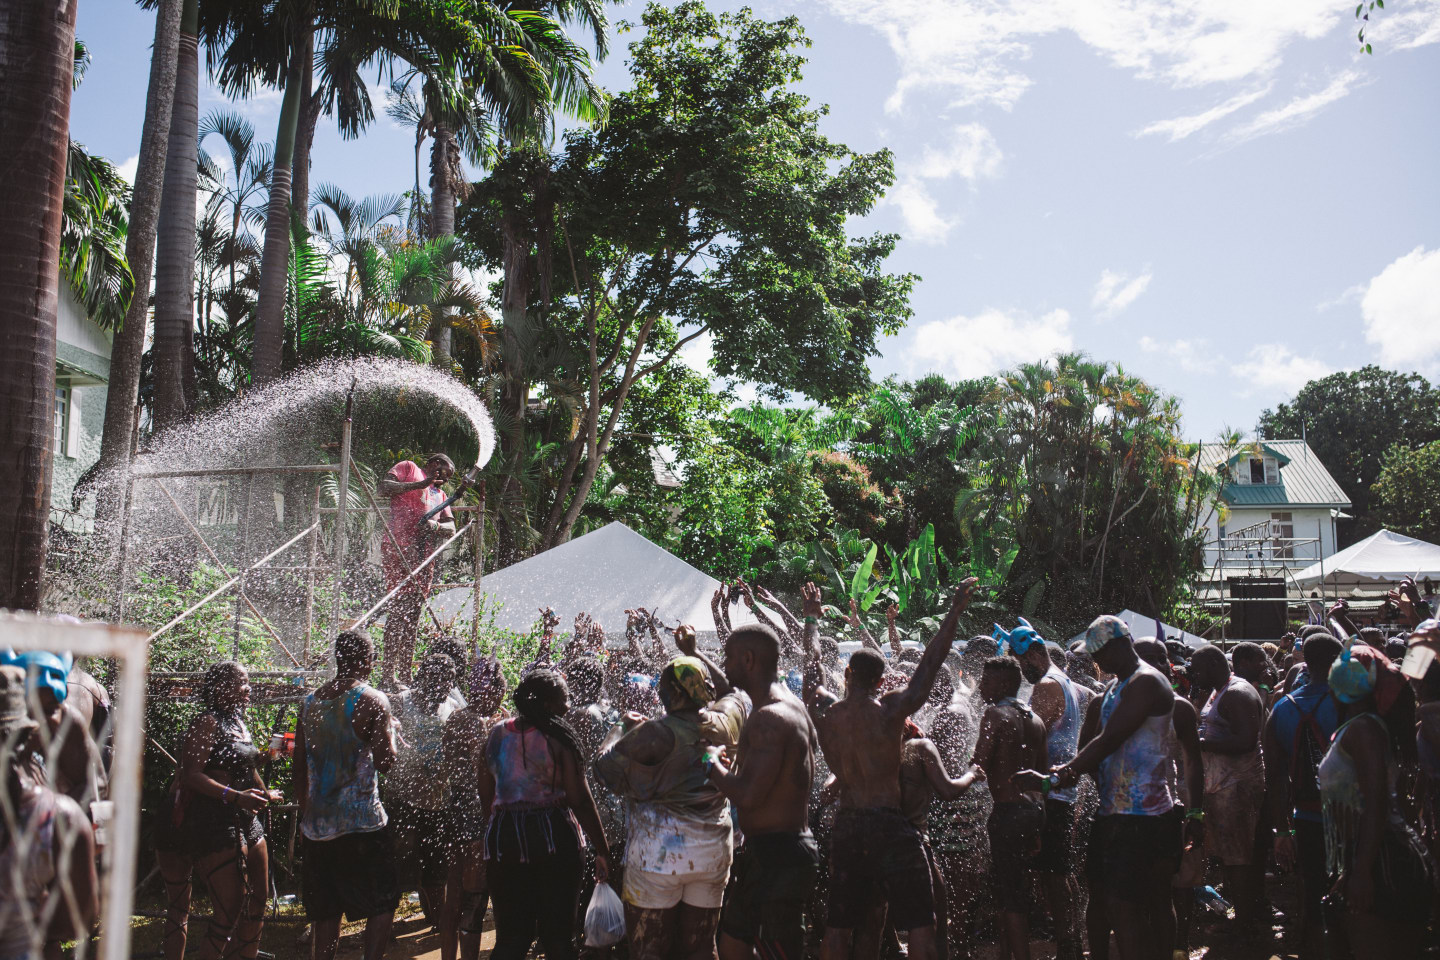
x: 1223, y: 196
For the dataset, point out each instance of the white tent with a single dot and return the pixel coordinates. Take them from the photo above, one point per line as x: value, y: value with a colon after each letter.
x: 603, y: 573
x: 1143, y: 626
x: 1375, y: 563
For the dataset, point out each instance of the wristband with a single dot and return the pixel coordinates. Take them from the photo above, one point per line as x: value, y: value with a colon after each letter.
x: 225, y: 795
x: 810, y: 619
x: 1046, y: 785
x: 1196, y: 814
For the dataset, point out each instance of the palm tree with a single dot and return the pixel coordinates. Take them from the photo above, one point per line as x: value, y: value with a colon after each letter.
x: 351, y: 227
x: 129, y: 343
x: 248, y: 177
x: 174, y: 351
x: 37, y: 52
x: 92, y: 237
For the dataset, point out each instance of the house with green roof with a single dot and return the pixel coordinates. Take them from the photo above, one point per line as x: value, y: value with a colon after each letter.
x: 1281, y: 507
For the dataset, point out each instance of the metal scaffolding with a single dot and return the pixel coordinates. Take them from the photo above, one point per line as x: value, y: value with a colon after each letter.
x: 305, y: 658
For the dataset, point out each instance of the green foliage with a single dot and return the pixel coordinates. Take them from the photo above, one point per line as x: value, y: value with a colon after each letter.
x: 1350, y: 420
x: 1407, y: 493
x: 92, y: 237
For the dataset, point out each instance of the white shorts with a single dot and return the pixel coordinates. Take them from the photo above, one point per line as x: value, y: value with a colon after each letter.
x: 661, y: 891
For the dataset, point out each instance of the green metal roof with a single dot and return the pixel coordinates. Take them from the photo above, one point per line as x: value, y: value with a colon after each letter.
x: 1304, y: 481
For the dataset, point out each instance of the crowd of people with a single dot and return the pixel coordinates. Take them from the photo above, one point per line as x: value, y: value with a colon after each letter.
x: 780, y: 796
x: 776, y: 798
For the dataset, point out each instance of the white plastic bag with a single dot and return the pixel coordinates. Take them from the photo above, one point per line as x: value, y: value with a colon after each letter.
x: 604, y: 918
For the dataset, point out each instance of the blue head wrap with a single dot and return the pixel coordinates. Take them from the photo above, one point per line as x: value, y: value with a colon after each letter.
x: 43, y: 670
x: 794, y: 681
x: 1020, y: 639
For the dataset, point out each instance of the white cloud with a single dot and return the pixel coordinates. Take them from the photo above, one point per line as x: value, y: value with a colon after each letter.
x: 988, y: 342
x: 970, y: 153
x: 698, y: 353
x: 128, y: 168
x: 1298, y: 110
x: 1415, y: 24
x: 1116, y: 291
x: 973, y: 51
x: 920, y: 211
x: 1401, y: 308
x: 1193, y: 356
x: 1273, y: 368
x: 1348, y: 295
x: 1178, y: 128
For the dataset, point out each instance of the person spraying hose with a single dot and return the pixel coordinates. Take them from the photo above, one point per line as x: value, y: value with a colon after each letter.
x: 419, y: 513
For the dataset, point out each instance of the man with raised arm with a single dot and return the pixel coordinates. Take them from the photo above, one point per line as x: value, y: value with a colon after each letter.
x: 877, y: 852
x: 1136, y: 842
x: 769, y: 784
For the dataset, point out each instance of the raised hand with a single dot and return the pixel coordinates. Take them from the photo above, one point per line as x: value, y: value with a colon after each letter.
x: 811, y: 605
x: 965, y: 591
x: 685, y: 639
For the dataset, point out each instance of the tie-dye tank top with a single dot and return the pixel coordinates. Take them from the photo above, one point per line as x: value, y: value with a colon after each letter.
x: 1062, y: 743
x: 526, y: 774
x: 1138, y: 779
x: 343, y: 784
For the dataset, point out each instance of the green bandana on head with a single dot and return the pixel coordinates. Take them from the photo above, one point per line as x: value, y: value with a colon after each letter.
x: 688, y: 679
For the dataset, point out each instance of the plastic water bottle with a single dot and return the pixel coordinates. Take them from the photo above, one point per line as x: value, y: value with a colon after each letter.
x: 1210, y: 898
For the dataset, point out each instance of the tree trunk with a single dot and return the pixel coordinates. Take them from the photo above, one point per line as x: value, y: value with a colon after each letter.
x: 310, y: 104
x: 175, y: 253
x: 129, y: 342
x: 442, y: 224
x: 269, y: 349
x: 37, y: 55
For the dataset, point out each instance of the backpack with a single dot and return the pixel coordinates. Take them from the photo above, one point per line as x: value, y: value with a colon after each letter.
x: 1307, y: 749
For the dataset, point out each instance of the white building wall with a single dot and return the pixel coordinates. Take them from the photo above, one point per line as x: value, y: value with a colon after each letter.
x: 1309, y: 524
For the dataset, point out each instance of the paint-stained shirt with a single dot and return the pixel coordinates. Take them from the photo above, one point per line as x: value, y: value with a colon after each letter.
x: 524, y: 766
x: 344, y: 787
x: 1138, y: 778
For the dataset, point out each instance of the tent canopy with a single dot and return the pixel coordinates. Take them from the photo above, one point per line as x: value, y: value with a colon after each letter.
x: 1374, y: 563
x: 1142, y: 626
x: 603, y: 573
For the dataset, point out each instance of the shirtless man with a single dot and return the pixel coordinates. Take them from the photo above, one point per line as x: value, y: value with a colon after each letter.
x: 877, y: 852
x: 1012, y: 739
x: 769, y: 784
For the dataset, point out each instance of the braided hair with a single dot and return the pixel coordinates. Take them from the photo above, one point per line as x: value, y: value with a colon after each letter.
x: 532, y: 702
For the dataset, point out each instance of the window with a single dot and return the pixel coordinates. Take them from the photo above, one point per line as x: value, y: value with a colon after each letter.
x: 62, y: 419
x: 1284, y: 531
x: 1257, y: 471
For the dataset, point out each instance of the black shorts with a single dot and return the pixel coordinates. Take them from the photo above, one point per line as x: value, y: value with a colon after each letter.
x: 205, y: 826
x: 775, y: 877
x: 1057, y: 840
x: 877, y: 853
x: 1015, y: 827
x: 353, y: 875
x: 422, y: 839
x: 1128, y: 852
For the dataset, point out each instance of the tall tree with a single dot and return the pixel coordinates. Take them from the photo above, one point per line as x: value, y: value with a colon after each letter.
x: 1350, y: 420
x: 37, y: 58
x: 129, y: 343
x: 731, y: 231
x: 175, y: 254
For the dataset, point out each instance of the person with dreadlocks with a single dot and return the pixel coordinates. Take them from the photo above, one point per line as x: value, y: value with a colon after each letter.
x: 463, y: 747
x: 679, y: 841
x: 532, y: 847
x: 210, y: 823
x: 46, y: 846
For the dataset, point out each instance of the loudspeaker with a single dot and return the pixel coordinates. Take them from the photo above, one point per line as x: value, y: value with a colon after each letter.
x: 1258, y: 610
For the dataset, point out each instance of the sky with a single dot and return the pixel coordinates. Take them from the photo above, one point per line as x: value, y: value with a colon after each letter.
x: 1227, y: 198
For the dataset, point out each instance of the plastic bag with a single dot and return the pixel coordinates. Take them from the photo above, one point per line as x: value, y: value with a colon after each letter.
x: 604, y: 918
